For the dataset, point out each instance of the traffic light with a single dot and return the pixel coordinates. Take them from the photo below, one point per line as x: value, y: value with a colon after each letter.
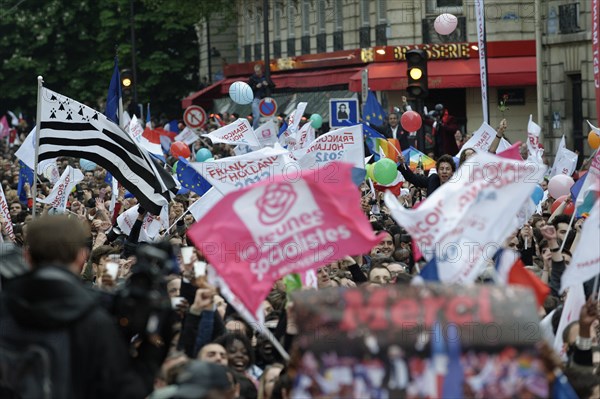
x: 126, y: 80
x: 416, y: 63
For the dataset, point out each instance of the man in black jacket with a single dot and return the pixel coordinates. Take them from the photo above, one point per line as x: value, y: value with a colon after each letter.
x: 52, y: 298
x: 393, y: 130
x: 261, y: 88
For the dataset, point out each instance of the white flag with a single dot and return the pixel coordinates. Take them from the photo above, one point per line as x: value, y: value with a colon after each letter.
x: 136, y: 132
x: 238, y: 132
x: 8, y: 226
x: 305, y: 136
x: 187, y: 136
x: 232, y: 173
x: 204, y: 204
x: 60, y: 192
x: 151, y: 224
x: 465, y: 220
x: 345, y: 144
x: 26, y: 153
x: 586, y: 259
x: 267, y: 134
x: 481, y: 140
x: 293, y: 123
x: 565, y: 161
x: 573, y: 304
x: 503, y: 145
x: 533, y: 141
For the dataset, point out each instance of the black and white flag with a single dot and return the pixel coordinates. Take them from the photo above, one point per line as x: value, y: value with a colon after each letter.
x: 71, y: 129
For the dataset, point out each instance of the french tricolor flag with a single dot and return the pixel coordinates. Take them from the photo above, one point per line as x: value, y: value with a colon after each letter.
x: 511, y: 271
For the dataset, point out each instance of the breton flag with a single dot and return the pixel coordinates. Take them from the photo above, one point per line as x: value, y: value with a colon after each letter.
x: 69, y: 128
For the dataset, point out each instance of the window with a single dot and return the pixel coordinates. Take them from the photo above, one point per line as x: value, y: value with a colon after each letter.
x: 277, y: 16
x: 381, y: 12
x: 365, y: 12
x: 248, y: 15
x: 305, y: 17
x: 442, y: 6
x: 291, y: 28
x: 381, y: 29
x: 291, y: 19
x: 338, y: 15
x: 338, y: 25
x: 321, y: 16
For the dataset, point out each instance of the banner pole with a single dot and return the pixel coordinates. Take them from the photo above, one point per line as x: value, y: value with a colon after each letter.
x: 38, y: 123
x: 562, y: 245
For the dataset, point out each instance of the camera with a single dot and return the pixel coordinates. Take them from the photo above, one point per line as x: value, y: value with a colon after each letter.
x: 142, y: 305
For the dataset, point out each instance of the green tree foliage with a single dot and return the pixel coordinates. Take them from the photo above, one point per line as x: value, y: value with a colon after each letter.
x: 72, y: 45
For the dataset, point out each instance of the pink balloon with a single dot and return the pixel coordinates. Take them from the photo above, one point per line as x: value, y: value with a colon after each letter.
x: 445, y: 24
x: 560, y: 185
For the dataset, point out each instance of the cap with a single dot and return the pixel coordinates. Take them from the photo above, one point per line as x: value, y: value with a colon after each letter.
x: 128, y: 195
x: 195, y: 381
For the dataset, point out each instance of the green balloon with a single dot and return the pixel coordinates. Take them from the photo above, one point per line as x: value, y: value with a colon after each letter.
x: 175, y: 167
x: 385, y: 171
x: 369, y: 168
x: 316, y: 121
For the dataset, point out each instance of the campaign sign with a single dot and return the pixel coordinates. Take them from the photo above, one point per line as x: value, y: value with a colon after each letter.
x: 429, y: 341
x: 343, y: 112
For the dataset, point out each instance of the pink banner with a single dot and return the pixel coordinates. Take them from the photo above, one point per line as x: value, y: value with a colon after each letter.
x: 256, y: 235
x: 596, y: 51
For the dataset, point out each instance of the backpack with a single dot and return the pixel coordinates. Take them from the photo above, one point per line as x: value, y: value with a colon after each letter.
x: 34, y: 364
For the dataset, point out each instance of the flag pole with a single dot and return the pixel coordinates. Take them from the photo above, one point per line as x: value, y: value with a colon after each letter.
x: 38, y: 123
x: 562, y: 245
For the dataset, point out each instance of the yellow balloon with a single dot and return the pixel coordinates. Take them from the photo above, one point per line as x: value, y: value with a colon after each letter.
x: 593, y: 140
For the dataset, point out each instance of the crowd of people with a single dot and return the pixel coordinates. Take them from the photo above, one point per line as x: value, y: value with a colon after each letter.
x: 203, y: 348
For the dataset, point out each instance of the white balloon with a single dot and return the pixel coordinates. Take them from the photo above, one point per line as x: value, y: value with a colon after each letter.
x: 445, y: 24
x: 241, y: 93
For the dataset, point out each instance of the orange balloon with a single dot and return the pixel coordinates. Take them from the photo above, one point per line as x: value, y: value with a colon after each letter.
x: 593, y: 140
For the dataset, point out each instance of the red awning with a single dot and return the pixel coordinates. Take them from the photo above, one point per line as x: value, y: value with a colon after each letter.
x: 507, y: 71
x: 297, y: 80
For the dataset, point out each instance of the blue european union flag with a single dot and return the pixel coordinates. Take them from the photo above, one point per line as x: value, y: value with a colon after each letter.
x: 190, y: 179
x: 25, y: 176
x: 373, y: 112
x: 114, y: 95
x: 108, y: 178
x: 371, y: 135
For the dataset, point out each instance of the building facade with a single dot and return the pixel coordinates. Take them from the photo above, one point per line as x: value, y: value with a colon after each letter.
x: 322, y: 44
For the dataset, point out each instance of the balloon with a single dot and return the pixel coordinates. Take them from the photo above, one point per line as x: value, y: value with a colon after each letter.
x: 411, y: 121
x: 369, y: 168
x: 175, y: 167
x: 203, y: 154
x: 560, y: 185
x: 593, y: 140
x: 179, y: 149
x: 316, y: 121
x: 87, y: 165
x: 241, y: 93
x: 445, y: 24
x: 385, y: 171
x: 209, y: 159
x: 537, y: 195
x: 568, y: 209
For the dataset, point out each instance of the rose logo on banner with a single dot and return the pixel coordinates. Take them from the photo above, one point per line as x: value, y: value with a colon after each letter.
x: 276, y: 203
